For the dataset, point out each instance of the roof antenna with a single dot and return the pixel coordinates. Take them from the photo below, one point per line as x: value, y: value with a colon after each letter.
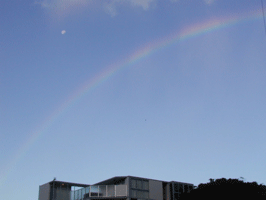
x: 262, y: 7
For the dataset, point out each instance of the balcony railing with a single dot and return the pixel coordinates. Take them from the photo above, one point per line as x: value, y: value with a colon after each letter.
x: 98, y: 191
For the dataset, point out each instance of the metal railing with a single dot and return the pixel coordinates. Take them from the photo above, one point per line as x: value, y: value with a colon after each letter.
x: 98, y: 191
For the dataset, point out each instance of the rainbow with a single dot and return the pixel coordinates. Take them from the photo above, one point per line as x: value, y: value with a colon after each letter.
x: 185, y: 34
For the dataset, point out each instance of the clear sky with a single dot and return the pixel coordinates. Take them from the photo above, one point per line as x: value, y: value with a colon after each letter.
x: 163, y: 89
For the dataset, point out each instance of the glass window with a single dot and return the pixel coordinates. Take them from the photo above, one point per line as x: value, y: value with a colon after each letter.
x: 146, y: 195
x: 180, y: 188
x: 82, y: 192
x: 94, y: 190
x: 139, y: 194
x: 134, y: 193
x: 87, y: 189
x: 111, y: 190
x: 186, y: 188
x: 176, y: 187
x: 72, y: 195
x: 133, y: 183
x: 145, y: 185
x: 139, y: 184
x: 102, y: 190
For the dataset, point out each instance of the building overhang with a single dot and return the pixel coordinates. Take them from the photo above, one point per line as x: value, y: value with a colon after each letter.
x: 68, y: 184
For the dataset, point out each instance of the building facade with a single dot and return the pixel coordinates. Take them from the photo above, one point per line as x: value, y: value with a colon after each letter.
x: 116, y: 188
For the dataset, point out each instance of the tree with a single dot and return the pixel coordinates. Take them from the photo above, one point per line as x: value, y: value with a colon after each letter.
x: 226, y: 189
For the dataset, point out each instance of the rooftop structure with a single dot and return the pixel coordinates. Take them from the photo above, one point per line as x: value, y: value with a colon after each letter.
x: 116, y: 188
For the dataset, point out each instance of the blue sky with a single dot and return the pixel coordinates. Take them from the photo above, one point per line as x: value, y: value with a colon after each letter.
x: 190, y: 111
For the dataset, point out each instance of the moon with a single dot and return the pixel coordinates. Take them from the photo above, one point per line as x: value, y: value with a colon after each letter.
x: 63, y: 32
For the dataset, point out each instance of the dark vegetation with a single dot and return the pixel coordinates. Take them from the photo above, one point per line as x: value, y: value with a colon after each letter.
x: 227, y: 189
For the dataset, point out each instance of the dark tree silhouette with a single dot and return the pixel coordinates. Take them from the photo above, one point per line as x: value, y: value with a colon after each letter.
x: 226, y: 189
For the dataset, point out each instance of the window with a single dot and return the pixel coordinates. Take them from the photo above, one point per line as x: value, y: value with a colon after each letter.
x: 139, y: 184
x: 176, y: 196
x: 176, y: 187
x: 133, y: 183
x: 145, y: 195
x: 145, y: 185
x: 180, y: 188
x: 134, y: 193
x: 186, y: 188
x: 139, y: 194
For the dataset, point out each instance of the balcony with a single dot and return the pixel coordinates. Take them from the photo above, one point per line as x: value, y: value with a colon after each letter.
x: 99, y: 191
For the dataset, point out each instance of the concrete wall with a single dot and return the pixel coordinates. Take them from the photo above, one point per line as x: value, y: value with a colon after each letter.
x: 156, y: 190
x: 44, y: 192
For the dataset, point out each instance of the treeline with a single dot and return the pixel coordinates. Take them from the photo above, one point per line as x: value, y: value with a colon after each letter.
x: 226, y: 189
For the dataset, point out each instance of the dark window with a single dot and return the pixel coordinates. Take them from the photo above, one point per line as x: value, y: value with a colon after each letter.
x: 186, y: 188
x: 134, y: 193
x: 180, y: 188
x: 139, y: 185
x: 145, y: 185
x: 133, y: 183
x: 176, y: 196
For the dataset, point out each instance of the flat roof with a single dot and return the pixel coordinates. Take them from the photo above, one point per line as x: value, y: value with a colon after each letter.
x: 161, y: 180
x: 117, y: 178
x: 69, y: 183
x: 111, y: 180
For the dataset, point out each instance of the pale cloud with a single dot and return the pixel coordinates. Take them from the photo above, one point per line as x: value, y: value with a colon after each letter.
x: 209, y: 2
x: 62, y: 4
x: 111, y: 7
x: 145, y: 4
x: 63, y: 32
x: 44, y: 4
